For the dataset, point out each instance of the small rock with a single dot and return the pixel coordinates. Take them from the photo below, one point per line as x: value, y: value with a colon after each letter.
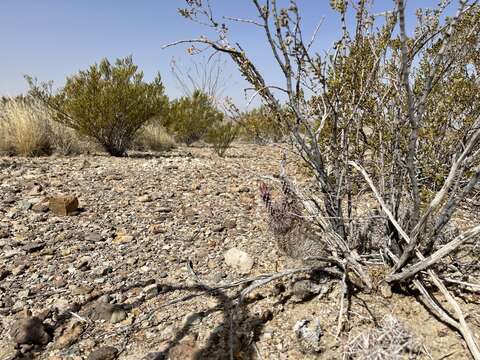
x: 80, y: 290
x: 29, y: 330
x: 35, y: 189
x: 109, y: 312
x: 304, y: 290
x: 4, y: 233
x: 308, y: 333
x: 70, y: 335
x: 63, y: 205
x: 231, y: 224
x: 40, y: 208
x: 145, y: 198
x: 103, y: 353
x: 239, y: 260
x: 386, y: 290
x: 11, y: 253
x: 122, y: 239
x: 17, y: 270
x: 93, y: 237
x: 25, y: 205
x: 218, y: 228
x: 150, y: 291
x: 85, y: 164
x: 34, y: 247
x: 157, y: 229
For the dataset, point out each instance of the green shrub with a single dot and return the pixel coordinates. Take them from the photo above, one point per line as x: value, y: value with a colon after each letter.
x: 190, y: 118
x: 221, y: 136
x: 259, y: 126
x: 109, y: 103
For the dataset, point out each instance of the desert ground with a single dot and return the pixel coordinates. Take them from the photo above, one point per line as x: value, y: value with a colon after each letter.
x: 134, y: 273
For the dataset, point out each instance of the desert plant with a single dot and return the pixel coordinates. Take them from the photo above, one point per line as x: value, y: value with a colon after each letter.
x: 374, y: 99
x: 109, y: 103
x: 389, y: 340
x: 191, y: 117
x: 24, y: 128
x: 207, y: 76
x: 221, y: 137
x: 154, y: 137
x: 259, y: 126
x: 27, y: 129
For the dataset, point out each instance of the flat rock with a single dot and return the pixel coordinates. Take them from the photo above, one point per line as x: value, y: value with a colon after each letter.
x: 103, y: 353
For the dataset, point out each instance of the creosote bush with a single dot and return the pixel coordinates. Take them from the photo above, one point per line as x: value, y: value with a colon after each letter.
x: 190, y: 118
x: 221, y: 136
x: 108, y: 103
x: 390, y: 109
x: 258, y: 125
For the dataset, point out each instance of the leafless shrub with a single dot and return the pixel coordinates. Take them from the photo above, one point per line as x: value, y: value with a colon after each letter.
x: 391, y: 340
x: 364, y: 113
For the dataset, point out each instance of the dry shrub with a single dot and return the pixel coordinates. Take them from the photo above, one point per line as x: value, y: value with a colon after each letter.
x: 154, y: 137
x: 389, y: 341
x: 66, y: 141
x: 26, y: 129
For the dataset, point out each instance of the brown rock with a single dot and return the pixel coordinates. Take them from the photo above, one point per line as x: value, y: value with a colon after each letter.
x: 108, y: 312
x: 41, y: 206
x: 63, y: 205
x: 29, y: 330
x: 70, y: 335
x: 103, y: 353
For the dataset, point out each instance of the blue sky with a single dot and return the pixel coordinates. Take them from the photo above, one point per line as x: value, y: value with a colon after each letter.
x: 51, y: 39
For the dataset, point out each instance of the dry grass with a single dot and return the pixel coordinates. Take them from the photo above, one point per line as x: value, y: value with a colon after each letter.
x: 154, y: 137
x: 26, y: 129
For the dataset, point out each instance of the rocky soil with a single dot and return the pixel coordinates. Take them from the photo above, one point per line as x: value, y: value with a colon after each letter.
x: 116, y: 278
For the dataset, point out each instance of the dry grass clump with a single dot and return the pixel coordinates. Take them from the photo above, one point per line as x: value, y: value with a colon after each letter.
x: 26, y: 129
x: 154, y: 137
x: 389, y: 341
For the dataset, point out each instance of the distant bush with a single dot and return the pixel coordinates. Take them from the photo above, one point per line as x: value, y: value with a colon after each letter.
x: 154, y: 137
x: 26, y: 129
x: 109, y: 103
x: 221, y: 136
x: 259, y: 126
x: 190, y: 118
